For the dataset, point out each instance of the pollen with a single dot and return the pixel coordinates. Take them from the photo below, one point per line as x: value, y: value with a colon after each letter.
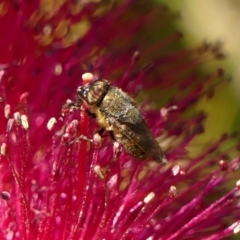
x: 87, y: 77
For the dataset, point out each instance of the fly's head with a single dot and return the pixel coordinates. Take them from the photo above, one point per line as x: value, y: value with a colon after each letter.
x: 93, y: 92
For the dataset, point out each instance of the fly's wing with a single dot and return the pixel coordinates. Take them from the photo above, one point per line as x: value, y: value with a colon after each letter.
x: 140, y: 141
x: 122, y: 113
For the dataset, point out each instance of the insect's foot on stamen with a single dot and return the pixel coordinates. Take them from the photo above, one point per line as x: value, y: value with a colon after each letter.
x: 81, y: 137
x: 117, y: 150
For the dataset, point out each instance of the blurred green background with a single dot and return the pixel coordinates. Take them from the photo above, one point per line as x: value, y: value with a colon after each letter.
x: 215, y: 21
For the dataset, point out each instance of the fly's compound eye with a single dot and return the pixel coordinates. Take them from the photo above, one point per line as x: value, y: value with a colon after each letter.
x: 93, y: 92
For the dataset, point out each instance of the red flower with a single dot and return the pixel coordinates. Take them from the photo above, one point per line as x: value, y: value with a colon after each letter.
x: 56, y: 186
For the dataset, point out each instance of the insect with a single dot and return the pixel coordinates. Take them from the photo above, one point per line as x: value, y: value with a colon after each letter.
x: 118, y: 113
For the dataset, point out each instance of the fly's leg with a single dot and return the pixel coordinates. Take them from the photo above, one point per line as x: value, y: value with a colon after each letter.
x: 81, y: 137
x: 90, y: 114
x: 117, y: 148
x: 70, y: 106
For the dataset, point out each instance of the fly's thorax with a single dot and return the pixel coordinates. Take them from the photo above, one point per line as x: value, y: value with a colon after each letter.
x: 101, y: 118
x: 118, y: 104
